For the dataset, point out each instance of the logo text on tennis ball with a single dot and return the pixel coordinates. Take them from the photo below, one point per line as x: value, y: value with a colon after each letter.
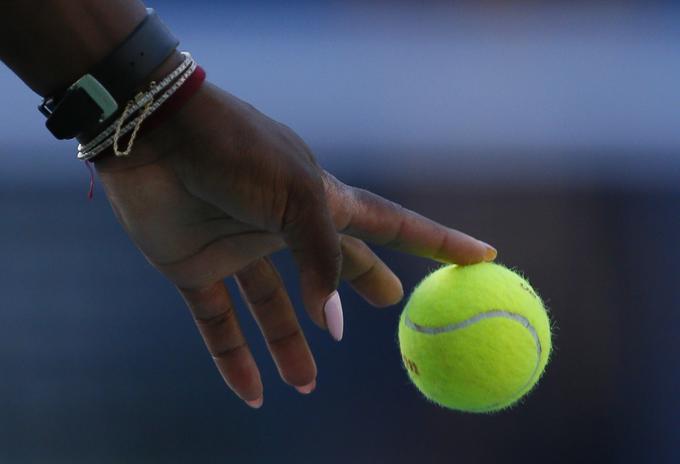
x: 410, y: 365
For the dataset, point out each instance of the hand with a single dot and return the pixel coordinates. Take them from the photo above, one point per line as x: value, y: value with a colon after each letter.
x: 218, y: 188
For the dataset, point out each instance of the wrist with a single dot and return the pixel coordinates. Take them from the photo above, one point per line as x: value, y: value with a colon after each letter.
x: 157, y: 133
x: 165, y: 68
x: 50, y: 44
x: 97, y: 97
x: 165, y: 139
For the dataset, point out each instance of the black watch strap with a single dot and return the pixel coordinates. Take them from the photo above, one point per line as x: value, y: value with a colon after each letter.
x: 101, y: 93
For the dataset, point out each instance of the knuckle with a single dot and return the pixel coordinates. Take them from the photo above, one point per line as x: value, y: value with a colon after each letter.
x: 286, y: 338
x: 305, y: 197
x: 364, y: 272
x: 226, y: 352
x: 265, y: 298
x: 216, y: 320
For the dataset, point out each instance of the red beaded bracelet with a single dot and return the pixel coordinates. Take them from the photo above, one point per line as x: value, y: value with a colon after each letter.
x: 176, y: 101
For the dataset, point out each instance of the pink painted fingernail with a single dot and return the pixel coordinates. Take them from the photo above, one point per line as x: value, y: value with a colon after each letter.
x: 255, y: 404
x: 333, y: 312
x: 490, y: 253
x: 307, y: 389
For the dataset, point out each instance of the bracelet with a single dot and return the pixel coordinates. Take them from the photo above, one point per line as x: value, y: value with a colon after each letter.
x: 140, y: 101
x: 145, y: 105
x: 134, y: 125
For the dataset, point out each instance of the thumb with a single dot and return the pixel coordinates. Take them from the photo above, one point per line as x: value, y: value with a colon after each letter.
x: 309, y: 231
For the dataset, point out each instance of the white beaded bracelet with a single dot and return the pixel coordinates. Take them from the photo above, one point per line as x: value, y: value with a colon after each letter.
x: 144, y: 102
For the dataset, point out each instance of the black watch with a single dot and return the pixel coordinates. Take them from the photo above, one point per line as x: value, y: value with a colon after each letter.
x: 100, y: 94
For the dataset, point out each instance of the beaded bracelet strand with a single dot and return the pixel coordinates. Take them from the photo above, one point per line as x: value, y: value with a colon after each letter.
x: 145, y: 104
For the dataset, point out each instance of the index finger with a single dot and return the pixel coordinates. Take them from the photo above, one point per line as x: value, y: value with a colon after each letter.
x: 370, y: 217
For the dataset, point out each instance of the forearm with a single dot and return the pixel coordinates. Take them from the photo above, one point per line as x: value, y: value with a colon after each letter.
x: 50, y: 43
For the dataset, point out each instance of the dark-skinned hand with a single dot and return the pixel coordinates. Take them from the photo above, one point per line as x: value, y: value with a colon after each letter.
x: 219, y: 187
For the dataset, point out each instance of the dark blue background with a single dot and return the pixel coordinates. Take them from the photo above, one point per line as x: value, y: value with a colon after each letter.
x: 549, y: 131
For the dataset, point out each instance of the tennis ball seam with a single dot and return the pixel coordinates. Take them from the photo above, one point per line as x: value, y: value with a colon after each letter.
x: 490, y: 314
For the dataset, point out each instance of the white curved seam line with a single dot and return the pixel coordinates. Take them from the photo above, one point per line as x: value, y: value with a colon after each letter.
x: 494, y: 313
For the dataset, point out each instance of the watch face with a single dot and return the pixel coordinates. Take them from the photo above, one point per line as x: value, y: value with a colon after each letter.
x: 84, y: 105
x: 98, y: 94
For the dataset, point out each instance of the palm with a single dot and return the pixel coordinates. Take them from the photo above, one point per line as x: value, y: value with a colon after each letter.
x: 190, y: 240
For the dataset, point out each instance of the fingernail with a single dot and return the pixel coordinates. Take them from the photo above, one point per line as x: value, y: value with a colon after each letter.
x: 307, y: 389
x: 490, y: 253
x: 333, y: 312
x: 255, y: 404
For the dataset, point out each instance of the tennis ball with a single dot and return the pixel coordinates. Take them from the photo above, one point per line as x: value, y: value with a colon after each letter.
x: 474, y: 338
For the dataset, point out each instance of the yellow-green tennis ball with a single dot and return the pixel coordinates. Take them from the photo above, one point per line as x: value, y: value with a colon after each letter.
x: 474, y: 338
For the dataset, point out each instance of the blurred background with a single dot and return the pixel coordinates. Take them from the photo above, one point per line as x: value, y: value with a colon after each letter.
x: 549, y: 129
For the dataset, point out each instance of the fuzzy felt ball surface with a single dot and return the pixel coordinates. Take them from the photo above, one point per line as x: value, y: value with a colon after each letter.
x: 474, y: 338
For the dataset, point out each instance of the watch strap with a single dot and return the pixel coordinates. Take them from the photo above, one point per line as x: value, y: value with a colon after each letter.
x: 100, y: 94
